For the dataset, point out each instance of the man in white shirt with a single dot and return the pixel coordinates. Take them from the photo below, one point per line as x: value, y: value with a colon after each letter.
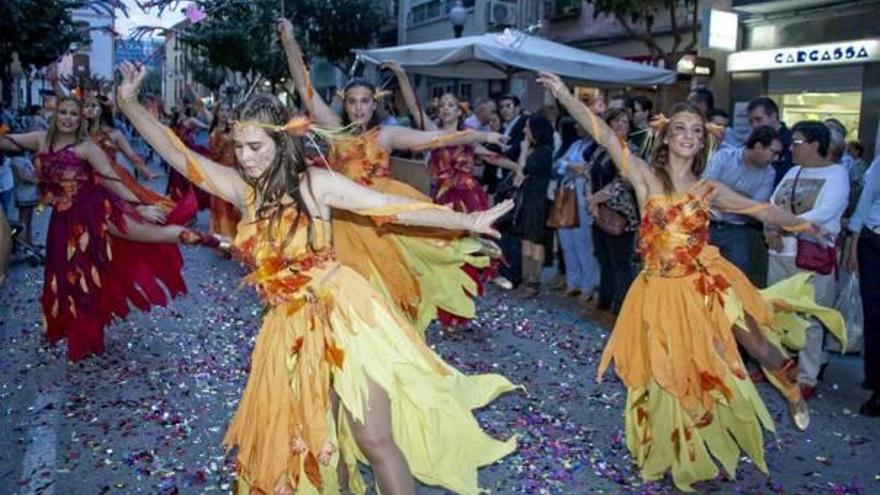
x: 746, y: 170
x: 817, y: 191
x: 864, y: 259
x: 483, y: 111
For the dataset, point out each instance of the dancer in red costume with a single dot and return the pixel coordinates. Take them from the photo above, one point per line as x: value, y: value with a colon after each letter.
x: 99, y: 112
x: 452, y: 170
x: 185, y: 127
x: 452, y: 167
x: 96, y: 259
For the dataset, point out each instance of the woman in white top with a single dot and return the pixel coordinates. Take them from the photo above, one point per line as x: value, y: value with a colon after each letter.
x: 817, y: 191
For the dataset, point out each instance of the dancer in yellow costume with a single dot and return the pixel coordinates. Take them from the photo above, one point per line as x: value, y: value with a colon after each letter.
x: 420, y: 269
x: 328, y: 336
x: 674, y: 346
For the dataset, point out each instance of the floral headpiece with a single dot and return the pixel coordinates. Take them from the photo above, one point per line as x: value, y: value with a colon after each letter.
x: 378, y: 94
x: 658, y: 123
x: 303, y: 127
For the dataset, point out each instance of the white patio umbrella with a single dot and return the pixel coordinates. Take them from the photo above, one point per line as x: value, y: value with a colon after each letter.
x: 501, y: 55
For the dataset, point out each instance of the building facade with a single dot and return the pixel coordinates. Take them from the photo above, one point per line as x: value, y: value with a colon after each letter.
x: 93, y: 58
x: 816, y: 58
x: 148, y: 52
x: 575, y: 23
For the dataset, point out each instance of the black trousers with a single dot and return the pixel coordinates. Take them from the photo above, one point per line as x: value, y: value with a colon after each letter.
x: 616, y: 256
x: 869, y: 287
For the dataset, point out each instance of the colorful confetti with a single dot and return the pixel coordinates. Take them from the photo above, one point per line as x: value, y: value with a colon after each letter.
x: 148, y: 416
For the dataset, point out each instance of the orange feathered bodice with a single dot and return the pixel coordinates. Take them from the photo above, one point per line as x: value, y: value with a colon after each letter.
x: 361, y: 158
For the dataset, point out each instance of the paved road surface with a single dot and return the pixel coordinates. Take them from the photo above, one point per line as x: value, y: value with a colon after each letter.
x: 148, y: 416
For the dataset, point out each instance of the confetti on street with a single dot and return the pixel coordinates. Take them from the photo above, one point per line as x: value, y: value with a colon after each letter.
x: 149, y: 415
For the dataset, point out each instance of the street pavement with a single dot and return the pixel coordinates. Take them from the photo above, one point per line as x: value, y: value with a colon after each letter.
x: 148, y: 417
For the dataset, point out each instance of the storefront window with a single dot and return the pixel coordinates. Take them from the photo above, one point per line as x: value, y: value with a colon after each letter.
x: 843, y: 106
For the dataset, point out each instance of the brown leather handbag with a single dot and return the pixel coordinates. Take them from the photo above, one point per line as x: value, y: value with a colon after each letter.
x: 564, y: 213
x: 611, y: 222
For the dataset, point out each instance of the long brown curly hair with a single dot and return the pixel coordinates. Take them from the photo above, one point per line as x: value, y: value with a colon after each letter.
x: 282, y: 179
x: 660, y: 152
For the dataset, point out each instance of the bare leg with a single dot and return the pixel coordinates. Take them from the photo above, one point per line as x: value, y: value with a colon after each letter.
x: 26, y: 215
x: 341, y: 467
x: 754, y: 342
x: 376, y: 440
x: 779, y: 366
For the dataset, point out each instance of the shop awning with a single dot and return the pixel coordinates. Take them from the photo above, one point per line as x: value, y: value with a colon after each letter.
x: 501, y: 55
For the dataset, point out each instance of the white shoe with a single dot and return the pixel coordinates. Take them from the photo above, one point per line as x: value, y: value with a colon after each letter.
x: 502, y: 282
x: 799, y: 414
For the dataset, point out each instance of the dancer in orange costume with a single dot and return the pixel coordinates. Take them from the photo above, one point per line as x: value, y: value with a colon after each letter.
x: 421, y: 270
x: 674, y: 345
x: 327, y: 332
x: 224, y: 215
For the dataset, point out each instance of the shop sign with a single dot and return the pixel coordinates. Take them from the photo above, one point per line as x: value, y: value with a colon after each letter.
x: 720, y: 31
x: 849, y: 52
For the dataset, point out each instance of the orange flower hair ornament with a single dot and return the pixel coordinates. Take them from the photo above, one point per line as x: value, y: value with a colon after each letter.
x: 658, y: 123
x: 303, y: 127
x: 378, y: 95
x: 300, y: 126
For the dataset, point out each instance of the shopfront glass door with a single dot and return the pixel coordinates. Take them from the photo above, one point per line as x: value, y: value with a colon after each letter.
x: 843, y: 106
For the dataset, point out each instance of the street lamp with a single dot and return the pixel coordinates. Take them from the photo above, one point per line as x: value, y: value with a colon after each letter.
x: 458, y: 15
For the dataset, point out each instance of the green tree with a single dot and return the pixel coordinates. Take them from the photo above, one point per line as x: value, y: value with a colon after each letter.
x: 242, y: 36
x: 38, y: 32
x: 208, y: 75
x: 637, y: 17
x: 336, y: 27
x: 239, y: 36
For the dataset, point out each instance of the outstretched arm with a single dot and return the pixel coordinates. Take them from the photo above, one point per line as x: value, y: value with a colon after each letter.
x: 199, y: 105
x: 727, y: 199
x: 632, y: 167
x: 99, y: 161
x: 401, y: 138
x: 125, y: 147
x: 496, y: 159
x: 409, y: 96
x: 337, y: 191
x: 52, y: 77
x: 317, y: 107
x: 216, y: 179
x: 31, y: 141
x: 194, y: 122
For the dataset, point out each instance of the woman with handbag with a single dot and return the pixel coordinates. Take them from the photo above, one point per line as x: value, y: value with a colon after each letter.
x: 576, y: 235
x: 615, y: 220
x: 817, y: 191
